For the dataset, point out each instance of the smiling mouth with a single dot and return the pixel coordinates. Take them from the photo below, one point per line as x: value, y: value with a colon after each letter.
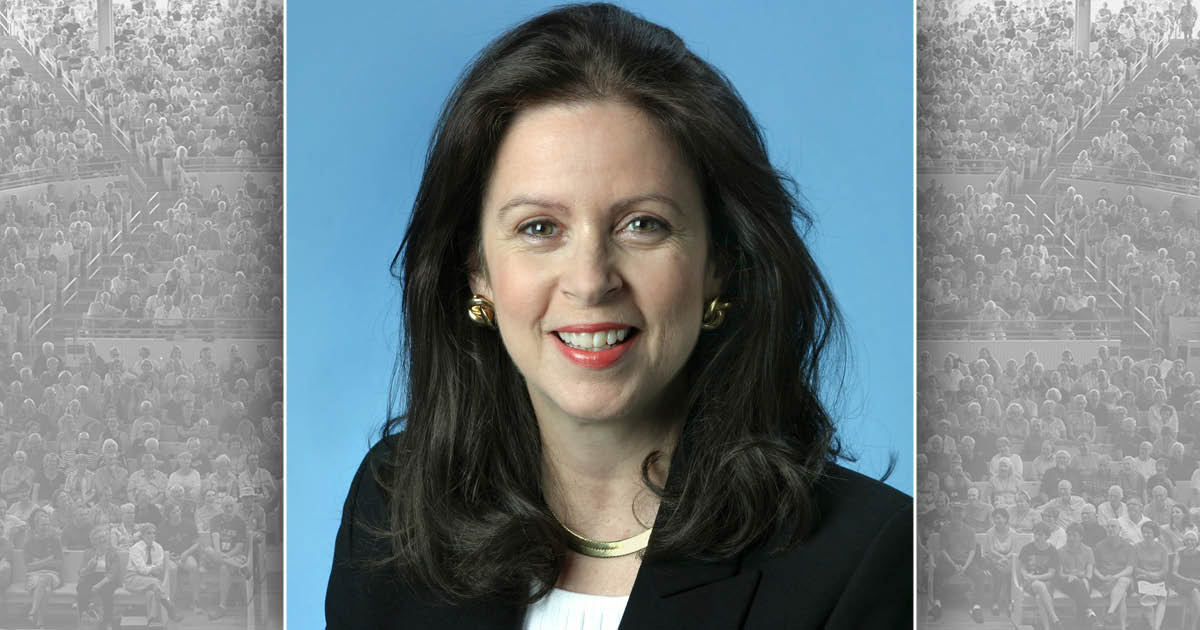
x: 597, y: 341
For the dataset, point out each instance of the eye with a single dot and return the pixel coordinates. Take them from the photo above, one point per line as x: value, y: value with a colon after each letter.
x: 646, y: 224
x: 538, y: 228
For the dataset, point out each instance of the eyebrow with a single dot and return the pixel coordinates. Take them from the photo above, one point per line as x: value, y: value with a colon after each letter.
x: 620, y: 204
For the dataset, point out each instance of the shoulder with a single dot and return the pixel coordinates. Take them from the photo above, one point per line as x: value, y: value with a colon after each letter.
x: 861, y: 547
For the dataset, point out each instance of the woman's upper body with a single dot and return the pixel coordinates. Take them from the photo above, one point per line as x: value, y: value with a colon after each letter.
x: 861, y: 548
x: 595, y: 199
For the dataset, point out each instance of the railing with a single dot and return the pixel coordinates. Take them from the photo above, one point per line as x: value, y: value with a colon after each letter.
x: 960, y: 166
x: 206, y: 328
x: 50, y: 175
x: 259, y: 163
x: 1107, y: 174
x: 931, y: 329
x: 1148, y: 330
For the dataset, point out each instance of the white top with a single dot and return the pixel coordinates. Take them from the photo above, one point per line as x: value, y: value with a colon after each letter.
x: 566, y: 610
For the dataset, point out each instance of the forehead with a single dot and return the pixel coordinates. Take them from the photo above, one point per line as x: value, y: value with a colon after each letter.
x: 587, y: 155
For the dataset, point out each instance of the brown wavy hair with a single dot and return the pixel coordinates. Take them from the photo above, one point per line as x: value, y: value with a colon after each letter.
x: 467, y: 518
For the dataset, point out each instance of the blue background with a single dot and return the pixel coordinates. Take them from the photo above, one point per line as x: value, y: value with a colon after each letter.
x: 831, y: 84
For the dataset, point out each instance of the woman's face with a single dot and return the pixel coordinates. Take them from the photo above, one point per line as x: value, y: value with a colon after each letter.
x: 591, y: 222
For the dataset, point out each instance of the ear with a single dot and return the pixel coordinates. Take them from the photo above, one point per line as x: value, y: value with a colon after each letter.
x: 477, y: 276
x: 716, y: 273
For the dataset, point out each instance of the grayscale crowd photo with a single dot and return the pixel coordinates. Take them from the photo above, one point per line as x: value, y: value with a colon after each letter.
x: 1058, y: 309
x: 141, y: 313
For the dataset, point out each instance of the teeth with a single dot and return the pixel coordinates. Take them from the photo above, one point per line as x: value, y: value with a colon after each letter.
x: 596, y: 341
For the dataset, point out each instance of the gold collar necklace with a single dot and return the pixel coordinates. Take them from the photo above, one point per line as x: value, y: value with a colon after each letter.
x: 602, y: 549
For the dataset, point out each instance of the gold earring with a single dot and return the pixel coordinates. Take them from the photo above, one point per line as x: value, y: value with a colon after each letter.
x: 714, y: 314
x: 482, y: 311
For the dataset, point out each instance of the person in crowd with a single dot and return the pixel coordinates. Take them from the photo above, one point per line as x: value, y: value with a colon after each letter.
x: 1185, y: 575
x: 1066, y: 504
x: 997, y: 554
x: 1058, y: 534
x: 149, y: 479
x: 1052, y: 477
x: 1077, y: 563
x: 222, y: 479
x: 1093, y: 531
x: 16, y: 481
x: 43, y: 564
x: 99, y: 576
x: 977, y: 514
x: 1159, y: 507
x: 1040, y: 564
x: 1023, y: 516
x: 146, y: 572
x: 1114, y: 508
x: 1150, y: 569
x: 230, y: 548
x: 1131, y: 523
x: 1005, y: 484
x: 182, y: 544
x: 1113, y: 572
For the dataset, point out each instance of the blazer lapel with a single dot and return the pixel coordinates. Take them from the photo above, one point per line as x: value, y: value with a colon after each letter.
x: 684, y: 593
x: 690, y: 594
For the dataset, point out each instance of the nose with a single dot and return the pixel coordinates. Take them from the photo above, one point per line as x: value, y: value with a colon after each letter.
x: 589, y: 275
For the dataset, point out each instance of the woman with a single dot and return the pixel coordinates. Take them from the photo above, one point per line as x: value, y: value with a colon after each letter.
x: 1044, y: 461
x: 998, y: 553
x: 596, y: 407
x: 222, y: 480
x: 1150, y: 568
x: 1185, y: 575
x: 43, y: 561
x: 1022, y: 517
x: 1004, y: 484
x: 1180, y: 525
x: 99, y: 575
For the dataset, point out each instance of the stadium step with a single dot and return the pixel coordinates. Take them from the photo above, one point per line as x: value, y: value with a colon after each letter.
x: 34, y: 68
x: 1124, y: 99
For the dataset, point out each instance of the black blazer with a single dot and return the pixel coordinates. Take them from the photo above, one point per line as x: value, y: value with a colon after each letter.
x: 853, y: 571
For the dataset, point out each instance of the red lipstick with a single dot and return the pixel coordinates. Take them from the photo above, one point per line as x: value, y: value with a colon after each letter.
x: 594, y: 360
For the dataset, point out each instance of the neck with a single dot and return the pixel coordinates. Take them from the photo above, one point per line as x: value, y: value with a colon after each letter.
x: 592, y: 470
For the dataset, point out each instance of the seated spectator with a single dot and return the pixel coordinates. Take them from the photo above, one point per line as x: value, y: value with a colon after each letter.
x: 1159, y: 507
x: 1181, y: 523
x: 1131, y: 523
x: 1160, y: 478
x: 182, y: 544
x: 149, y: 479
x: 230, y: 548
x: 16, y: 481
x: 1150, y: 569
x: 146, y: 572
x: 99, y: 575
x: 1185, y: 573
x: 1023, y: 517
x: 957, y: 556
x: 1039, y: 565
x: 1052, y: 477
x: 43, y: 562
x: 1113, y: 572
x: 1067, y: 505
x: 1093, y: 531
x: 1077, y: 563
x: 1058, y: 534
x: 997, y: 554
